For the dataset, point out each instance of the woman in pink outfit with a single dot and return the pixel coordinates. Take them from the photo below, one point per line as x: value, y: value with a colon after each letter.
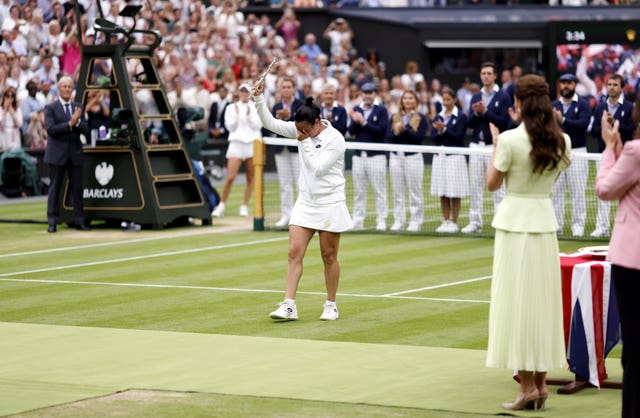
x: 619, y: 179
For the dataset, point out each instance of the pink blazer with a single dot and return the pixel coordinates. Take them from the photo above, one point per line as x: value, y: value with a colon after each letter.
x: 620, y: 179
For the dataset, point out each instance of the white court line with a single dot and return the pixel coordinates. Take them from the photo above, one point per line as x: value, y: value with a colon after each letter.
x: 232, y: 289
x: 142, y: 257
x: 404, y: 292
x: 99, y: 244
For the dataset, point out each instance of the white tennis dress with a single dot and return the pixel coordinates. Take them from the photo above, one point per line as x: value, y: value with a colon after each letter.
x: 321, y: 202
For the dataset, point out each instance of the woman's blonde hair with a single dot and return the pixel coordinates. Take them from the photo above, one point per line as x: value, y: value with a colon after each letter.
x: 414, y: 122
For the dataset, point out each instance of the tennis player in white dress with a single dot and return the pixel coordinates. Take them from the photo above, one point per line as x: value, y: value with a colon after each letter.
x: 321, y: 204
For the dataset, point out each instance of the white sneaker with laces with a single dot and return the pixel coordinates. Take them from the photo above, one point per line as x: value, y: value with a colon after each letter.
x: 443, y: 227
x: 452, y: 228
x: 218, y: 212
x: 244, y: 211
x: 283, y: 221
x: 330, y: 312
x: 600, y: 232
x: 287, y: 311
x: 471, y: 228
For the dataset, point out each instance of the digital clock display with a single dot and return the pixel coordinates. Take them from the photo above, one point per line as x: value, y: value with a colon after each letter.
x: 575, y: 36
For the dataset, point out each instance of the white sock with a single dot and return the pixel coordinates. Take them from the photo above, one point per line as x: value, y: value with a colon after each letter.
x: 329, y: 303
x: 289, y: 301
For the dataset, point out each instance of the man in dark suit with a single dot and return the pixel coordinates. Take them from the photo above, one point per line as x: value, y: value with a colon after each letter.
x: 619, y: 109
x: 287, y: 164
x: 64, y: 122
x: 369, y: 123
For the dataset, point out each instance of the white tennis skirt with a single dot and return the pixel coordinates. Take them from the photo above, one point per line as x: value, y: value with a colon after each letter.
x: 449, y: 176
x: 333, y: 217
x: 240, y: 150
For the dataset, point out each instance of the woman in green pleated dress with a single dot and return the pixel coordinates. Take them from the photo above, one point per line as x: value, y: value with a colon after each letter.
x: 525, y: 318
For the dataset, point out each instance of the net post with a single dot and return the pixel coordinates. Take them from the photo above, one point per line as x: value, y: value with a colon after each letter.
x: 259, y: 161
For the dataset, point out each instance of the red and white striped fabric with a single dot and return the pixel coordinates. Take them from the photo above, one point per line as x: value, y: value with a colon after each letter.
x: 591, y: 319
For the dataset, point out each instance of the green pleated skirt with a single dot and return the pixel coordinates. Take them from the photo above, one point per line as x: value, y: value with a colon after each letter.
x: 525, y: 317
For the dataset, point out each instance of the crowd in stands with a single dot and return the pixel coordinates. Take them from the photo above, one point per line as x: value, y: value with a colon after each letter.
x: 209, y: 50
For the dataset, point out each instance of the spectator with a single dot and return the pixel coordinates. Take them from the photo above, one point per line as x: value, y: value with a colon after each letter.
x: 286, y: 158
x: 71, y: 56
x: 241, y: 119
x: 369, y: 123
x: 30, y: 105
x: 230, y: 18
x: 406, y: 169
x: 288, y: 26
x: 490, y: 105
x: 38, y: 35
x: 10, y: 120
x: 323, y: 79
x: 339, y: 35
x: 573, y: 114
x: 464, y: 95
x: 46, y: 94
x: 311, y: 49
x: 97, y: 108
x: 331, y: 110
x: 411, y: 76
x: 217, y: 129
x: 449, y: 177
x: 338, y: 65
x: 621, y: 110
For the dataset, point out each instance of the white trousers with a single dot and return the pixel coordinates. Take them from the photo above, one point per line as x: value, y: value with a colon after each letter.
x: 603, y: 221
x: 407, y: 171
x: 367, y: 170
x: 478, y: 165
x: 288, y: 168
x: 575, y: 178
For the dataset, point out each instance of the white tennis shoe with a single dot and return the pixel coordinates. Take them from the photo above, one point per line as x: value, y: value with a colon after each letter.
x: 330, y: 312
x: 287, y: 311
x: 244, y: 211
x: 218, y: 212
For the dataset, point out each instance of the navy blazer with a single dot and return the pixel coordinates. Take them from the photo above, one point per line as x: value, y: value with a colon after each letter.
x: 339, y: 118
x: 375, y: 130
x: 497, y: 113
x: 294, y: 107
x: 408, y: 136
x: 576, y: 121
x: 624, y: 115
x: 455, y: 130
x: 63, y: 142
x: 215, y: 121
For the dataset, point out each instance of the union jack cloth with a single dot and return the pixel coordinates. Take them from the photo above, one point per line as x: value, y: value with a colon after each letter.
x: 591, y: 318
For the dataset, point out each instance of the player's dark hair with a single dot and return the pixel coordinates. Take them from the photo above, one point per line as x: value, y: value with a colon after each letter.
x: 308, y: 112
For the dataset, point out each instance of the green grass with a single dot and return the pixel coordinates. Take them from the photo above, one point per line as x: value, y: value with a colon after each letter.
x: 187, y: 281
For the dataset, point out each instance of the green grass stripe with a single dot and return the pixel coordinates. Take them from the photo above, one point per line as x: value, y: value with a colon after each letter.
x: 62, y: 360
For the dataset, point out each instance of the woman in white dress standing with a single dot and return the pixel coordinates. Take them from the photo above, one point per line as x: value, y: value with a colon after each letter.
x: 321, y: 204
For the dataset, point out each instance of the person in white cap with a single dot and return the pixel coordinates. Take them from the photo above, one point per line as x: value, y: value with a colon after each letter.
x: 243, y: 125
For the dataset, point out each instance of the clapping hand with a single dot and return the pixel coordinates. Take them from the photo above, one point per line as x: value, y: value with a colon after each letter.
x: 610, y: 134
x: 479, y: 107
x: 75, y: 117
